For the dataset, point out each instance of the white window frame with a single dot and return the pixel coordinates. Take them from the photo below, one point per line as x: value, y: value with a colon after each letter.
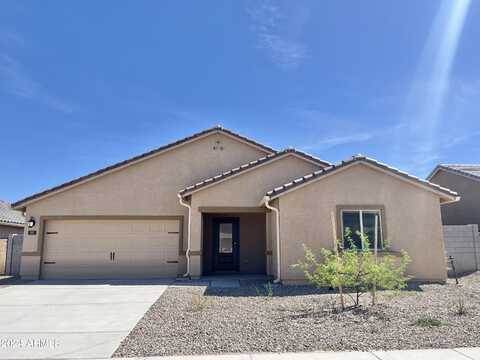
x: 361, y: 211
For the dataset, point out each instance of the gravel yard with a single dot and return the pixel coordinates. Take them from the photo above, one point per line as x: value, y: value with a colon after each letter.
x: 196, y: 320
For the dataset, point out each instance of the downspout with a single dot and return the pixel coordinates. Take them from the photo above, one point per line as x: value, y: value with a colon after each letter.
x: 187, y: 253
x: 266, y: 200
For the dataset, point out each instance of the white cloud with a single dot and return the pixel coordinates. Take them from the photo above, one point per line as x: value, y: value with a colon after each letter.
x: 15, y: 81
x: 270, y: 26
x: 332, y: 141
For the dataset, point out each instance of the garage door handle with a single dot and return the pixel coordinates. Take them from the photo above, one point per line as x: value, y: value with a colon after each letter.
x: 113, y: 256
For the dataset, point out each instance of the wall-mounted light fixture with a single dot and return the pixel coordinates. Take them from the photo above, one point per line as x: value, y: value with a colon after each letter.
x: 31, y: 223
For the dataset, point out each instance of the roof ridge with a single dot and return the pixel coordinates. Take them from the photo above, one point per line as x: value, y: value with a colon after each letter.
x: 9, y: 215
x: 305, y: 154
x: 232, y: 171
x: 238, y: 169
x: 141, y: 156
x: 356, y: 158
x: 467, y: 170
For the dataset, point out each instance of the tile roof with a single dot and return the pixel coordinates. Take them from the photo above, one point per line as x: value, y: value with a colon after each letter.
x: 139, y: 157
x: 357, y: 158
x: 9, y: 216
x: 215, y: 179
x: 468, y: 170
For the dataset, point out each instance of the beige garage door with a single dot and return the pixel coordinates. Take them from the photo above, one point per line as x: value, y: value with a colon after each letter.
x: 98, y: 249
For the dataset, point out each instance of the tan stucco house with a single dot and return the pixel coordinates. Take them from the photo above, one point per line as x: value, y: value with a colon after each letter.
x: 217, y: 202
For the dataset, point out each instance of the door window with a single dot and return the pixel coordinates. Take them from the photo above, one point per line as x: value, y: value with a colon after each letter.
x: 225, y: 244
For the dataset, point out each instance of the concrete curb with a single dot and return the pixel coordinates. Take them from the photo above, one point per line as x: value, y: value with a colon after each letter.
x: 472, y: 353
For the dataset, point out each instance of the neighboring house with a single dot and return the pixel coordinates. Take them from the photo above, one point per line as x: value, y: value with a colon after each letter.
x: 217, y: 202
x: 465, y: 180
x: 11, y: 221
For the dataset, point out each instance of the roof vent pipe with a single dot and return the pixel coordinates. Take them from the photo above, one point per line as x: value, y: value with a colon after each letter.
x: 277, y: 230
x: 187, y: 253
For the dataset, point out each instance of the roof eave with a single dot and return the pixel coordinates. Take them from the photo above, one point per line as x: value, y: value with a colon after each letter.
x: 9, y: 223
x: 212, y: 181
x: 453, y: 172
x: 443, y: 193
x: 22, y: 204
x: 449, y: 200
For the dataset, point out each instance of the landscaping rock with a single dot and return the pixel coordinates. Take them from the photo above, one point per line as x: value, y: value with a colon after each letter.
x: 190, y: 320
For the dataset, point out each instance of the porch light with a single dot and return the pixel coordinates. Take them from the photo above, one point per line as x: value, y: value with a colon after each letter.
x: 31, y: 222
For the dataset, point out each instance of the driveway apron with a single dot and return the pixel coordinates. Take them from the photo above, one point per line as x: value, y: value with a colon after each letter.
x: 76, y: 319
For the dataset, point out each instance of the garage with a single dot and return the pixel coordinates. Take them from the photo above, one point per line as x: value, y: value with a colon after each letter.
x: 110, y: 248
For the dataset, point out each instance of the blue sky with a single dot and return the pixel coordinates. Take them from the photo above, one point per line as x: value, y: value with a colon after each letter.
x: 89, y: 83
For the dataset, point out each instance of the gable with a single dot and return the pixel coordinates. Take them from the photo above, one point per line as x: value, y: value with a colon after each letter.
x: 247, y: 148
x: 151, y: 185
x: 445, y: 194
x: 253, y: 166
x: 456, y: 181
x: 450, y: 177
x: 363, y: 184
x: 248, y: 188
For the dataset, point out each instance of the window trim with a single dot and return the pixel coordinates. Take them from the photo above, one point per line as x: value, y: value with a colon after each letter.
x: 380, y: 208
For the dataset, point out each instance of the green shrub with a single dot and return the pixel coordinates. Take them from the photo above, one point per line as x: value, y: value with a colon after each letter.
x: 354, y: 270
x: 460, y: 306
x: 428, y: 322
x: 268, y: 289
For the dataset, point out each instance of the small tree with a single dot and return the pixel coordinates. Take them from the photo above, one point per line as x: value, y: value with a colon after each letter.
x: 355, y: 270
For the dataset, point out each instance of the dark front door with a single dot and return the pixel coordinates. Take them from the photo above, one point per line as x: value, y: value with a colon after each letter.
x: 225, y: 244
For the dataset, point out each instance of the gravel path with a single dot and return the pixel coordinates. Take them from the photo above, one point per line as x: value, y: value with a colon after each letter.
x: 195, y: 320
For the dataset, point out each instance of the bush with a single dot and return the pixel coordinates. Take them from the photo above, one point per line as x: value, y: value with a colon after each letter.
x: 460, y: 306
x: 355, y: 270
x: 428, y: 322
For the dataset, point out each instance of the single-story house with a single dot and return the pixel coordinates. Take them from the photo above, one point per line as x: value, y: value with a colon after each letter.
x: 464, y: 179
x: 218, y: 202
x: 11, y: 221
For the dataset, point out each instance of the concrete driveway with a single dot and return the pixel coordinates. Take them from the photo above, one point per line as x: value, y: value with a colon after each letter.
x: 78, y: 319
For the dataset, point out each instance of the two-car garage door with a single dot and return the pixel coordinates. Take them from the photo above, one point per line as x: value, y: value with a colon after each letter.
x: 123, y: 248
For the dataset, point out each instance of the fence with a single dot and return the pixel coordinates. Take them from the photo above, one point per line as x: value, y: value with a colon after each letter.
x: 463, y: 243
x: 10, y: 254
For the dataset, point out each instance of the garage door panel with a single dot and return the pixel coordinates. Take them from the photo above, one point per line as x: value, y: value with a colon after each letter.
x: 78, y: 272
x: 81, y: 248
x: 83, y: 258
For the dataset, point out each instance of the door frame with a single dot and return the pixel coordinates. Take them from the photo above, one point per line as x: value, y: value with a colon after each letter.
x: 216, y: 221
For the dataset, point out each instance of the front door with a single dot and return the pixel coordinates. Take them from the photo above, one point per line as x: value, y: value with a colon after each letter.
x: 225, y: 244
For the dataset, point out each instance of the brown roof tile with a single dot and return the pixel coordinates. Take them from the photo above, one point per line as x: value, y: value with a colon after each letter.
x: 357, y: 158
x: 220, y: 177
x: 139, y: 157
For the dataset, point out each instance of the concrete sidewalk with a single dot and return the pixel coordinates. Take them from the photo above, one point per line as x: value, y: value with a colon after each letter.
x: 429, y: 354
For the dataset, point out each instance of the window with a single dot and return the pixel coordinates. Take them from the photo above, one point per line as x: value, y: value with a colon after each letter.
x: 225, y: 244
x: 366, y: 221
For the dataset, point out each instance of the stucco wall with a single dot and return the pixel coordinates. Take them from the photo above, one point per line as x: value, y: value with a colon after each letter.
x: 149, y: 187
x: 463, y: 243
x: 467, y: 210
x: 245, y: 190
x: 412, y: 217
